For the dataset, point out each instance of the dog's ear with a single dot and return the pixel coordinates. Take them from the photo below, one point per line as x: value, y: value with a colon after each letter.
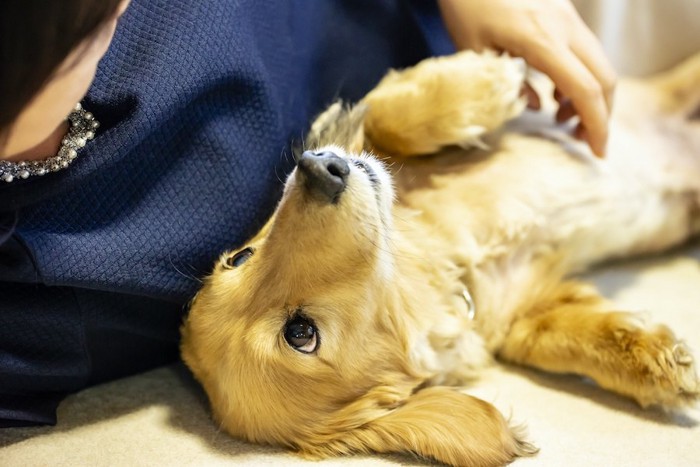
x: 437, y: 423
x: 339, y: 125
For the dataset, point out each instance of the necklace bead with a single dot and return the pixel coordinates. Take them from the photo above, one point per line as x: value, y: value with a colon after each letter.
x: 82, y: 129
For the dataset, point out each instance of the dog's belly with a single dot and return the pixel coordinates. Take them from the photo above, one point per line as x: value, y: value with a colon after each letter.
x: 531, y: 192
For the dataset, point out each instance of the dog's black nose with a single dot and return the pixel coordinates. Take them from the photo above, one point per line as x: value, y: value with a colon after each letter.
x: 325, y: 174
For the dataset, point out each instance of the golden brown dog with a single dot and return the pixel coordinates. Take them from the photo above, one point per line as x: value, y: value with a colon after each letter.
x: 344, y: 325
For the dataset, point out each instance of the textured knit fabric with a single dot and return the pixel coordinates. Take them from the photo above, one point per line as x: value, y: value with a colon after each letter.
x: 200, y: 101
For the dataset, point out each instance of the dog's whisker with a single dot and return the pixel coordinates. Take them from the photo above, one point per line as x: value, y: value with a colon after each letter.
x: 279, y: 178
x: 296, y: 154
x: 188, y: 276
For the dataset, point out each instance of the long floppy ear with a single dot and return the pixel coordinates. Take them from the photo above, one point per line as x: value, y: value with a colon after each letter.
x: 437, y: 423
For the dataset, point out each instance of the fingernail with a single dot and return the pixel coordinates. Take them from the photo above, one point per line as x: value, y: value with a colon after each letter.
x: 599, y: 151
x: 581, y: 134
x: 602, y: 152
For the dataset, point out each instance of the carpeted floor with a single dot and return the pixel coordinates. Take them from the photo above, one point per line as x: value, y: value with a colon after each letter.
x: 161, y: 417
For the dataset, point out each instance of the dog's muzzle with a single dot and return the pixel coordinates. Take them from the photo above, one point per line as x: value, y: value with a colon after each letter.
x: 325, y: 175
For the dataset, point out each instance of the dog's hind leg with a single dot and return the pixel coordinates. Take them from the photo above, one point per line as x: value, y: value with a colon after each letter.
x: 573, y: 331
x: 443, y: 101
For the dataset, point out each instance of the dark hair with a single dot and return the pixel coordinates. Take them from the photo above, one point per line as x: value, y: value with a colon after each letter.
x: 36, y: 36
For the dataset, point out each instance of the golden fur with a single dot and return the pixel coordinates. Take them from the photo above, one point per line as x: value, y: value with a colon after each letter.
x: 383, y: 271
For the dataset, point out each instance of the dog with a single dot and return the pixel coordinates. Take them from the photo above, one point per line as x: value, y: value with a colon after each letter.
x: 431, y: 228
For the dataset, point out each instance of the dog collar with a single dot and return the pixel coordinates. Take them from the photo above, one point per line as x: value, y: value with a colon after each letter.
x: 470, y: 309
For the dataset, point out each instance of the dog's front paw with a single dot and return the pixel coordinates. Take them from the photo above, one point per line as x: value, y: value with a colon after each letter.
x: 655, y: 368
x: 688, y: 382
x: 443, y: 101
x: 677, y: 383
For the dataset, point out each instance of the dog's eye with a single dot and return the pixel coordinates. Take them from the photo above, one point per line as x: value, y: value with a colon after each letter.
x: 239, y: 258
x: 301, y: 334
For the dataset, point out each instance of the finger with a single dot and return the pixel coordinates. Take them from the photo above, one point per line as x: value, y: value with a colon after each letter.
x: 558, y: 96
x: 590, y: 51
x: 566, y: 111
x: 574, y: 80
x: 533, y: 99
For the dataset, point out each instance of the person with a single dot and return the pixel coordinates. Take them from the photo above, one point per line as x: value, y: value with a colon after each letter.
x: 109, y: 219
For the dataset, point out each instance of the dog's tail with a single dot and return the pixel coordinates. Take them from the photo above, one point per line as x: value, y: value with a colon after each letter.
x: 680, y: 88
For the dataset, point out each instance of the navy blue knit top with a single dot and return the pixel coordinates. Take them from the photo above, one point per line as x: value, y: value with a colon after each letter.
x: 200, y: 102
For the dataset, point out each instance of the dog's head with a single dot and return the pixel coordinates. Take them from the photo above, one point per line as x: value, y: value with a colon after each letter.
x: 301, y: 337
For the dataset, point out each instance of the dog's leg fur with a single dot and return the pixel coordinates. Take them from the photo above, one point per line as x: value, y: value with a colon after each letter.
x: 428, y: 107
x: 340, y: 125
x: 573, y: 330
x: 425, y: 108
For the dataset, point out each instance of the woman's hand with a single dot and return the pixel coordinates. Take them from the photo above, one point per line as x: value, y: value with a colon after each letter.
x: 550, y: 36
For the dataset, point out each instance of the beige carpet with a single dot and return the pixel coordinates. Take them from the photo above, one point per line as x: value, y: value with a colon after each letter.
x: 161, y: 418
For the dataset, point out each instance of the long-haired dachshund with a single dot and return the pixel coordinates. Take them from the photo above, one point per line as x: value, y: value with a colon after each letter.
x: 383, y: 281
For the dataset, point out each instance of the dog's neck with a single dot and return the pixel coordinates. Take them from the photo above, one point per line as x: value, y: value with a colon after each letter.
x: 438, y: 259
x: 428, y: 276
